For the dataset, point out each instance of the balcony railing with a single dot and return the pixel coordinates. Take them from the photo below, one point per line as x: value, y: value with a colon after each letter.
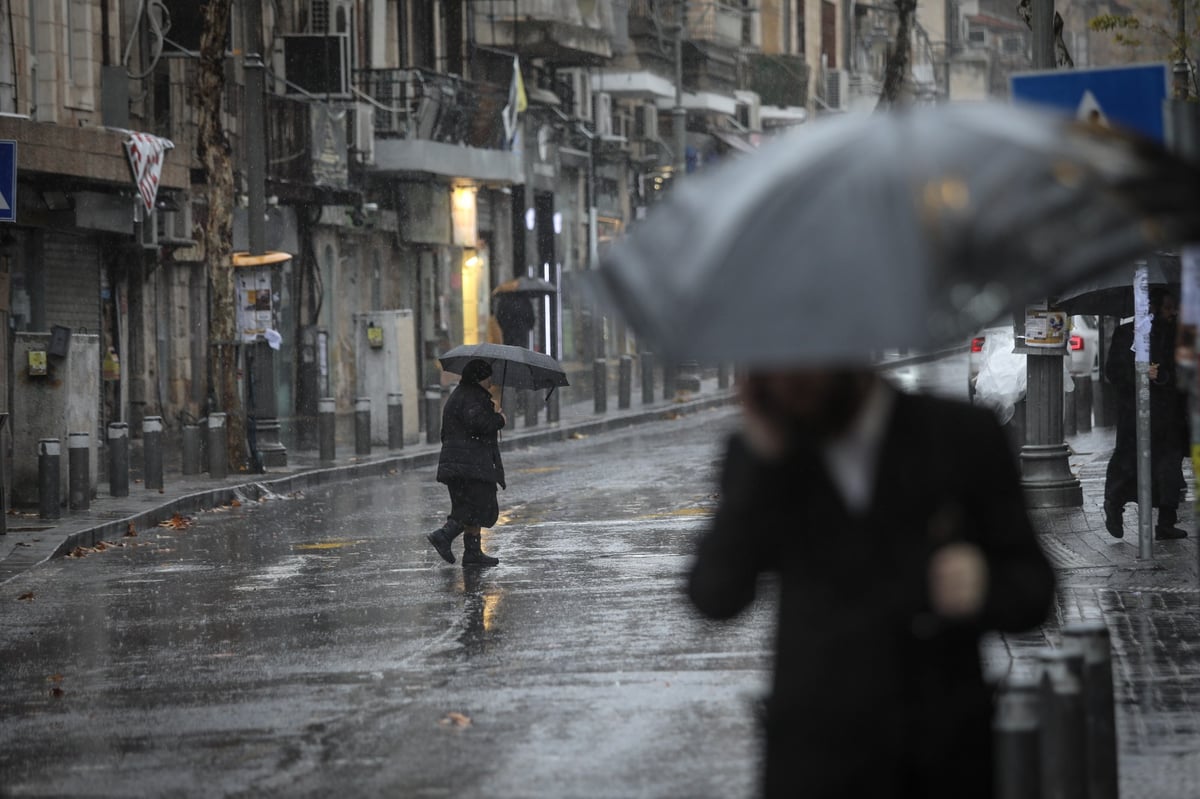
x: 718, y: 21
x: 418, y: 104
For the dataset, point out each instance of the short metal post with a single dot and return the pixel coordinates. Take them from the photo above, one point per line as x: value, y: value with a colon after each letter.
x: 668, y: 392
x: 48, y: 478
x: 433, y: 414
x: 1015, y: 740
x: 1070, y: 427
x: 553, y: 408
x: 190, y: 442
x: 532, y: 400
x: 395, y: 420
x: 1064, y: 746
x: 152, y: 452
x: 722, y: 376
x: 203, y: 426
x: 647, y: 378
x: 218, y: 456
x: 327, y: 428
x: 1091, y: 641
x: 79, y: 471
x: 600, y: 385
x: 624, y: 382
x: 118, y: 459
x: 362, y: 426
x: 1083, y: 403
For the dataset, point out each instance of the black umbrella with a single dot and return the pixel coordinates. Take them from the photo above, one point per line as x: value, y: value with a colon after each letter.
x: 913, y: 228
x: 1112, y: 294
x: 514, y: 367
x: 530, y: 286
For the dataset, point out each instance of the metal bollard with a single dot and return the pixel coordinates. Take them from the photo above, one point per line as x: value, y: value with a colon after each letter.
x: 202, y: 424
x: 395, y: 420
x: 152, y: 452
x: 362, y: 426
x: 722, y: 375
x: 218, y: 456
x: 624, y: 382
x: 1015, y: 740
x: 668, y: 371
x: 1064, y: 745
x: 79, y: 471
x: 1070, y: 427
x: 118, y: 459
x: 553, y: 408
x: 190, y: 443
x: 1083, y: 403
x: 647, y: 378
x: 600, y: 385
x: 327, y: 428
x: 1091, y: 641
x: 532, y: 400
x: 433, y: 414
x: 48, y: 479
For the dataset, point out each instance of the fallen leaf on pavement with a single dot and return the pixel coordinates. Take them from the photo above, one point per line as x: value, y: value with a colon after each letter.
x: 176, y: 522
x: 237, y: 503
x: 26, y: 597
x: 457, y: 720
x: 55, y: 678
x: 131, y: 532
x: 577, y: 436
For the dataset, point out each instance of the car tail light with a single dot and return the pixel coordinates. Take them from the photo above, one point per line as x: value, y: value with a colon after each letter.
x: 1076, y: 343
x: 977, y: 344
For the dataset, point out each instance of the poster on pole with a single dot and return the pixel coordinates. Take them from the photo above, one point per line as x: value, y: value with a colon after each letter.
x: 1141, y: 315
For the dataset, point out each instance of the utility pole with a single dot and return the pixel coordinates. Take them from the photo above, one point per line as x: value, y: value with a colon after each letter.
x: 688, y: 379
x: 1045, y: 466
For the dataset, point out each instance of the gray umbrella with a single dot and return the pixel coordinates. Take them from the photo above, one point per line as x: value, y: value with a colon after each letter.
x: 1112, y: 294
x: 514, y: 367
x: 907, y: 229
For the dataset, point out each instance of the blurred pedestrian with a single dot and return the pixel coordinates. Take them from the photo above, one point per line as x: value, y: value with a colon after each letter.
x: 515, y: 317
x: 470, y: 465
x: 1168, y: 423
x: 897, y: 528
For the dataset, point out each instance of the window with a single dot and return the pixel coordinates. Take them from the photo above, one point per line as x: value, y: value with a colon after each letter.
x: 800, y: 30
x: 77, y: 54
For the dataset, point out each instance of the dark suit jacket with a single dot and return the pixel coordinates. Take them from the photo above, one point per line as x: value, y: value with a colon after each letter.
x: 470, y: 446
x: 873, y: 695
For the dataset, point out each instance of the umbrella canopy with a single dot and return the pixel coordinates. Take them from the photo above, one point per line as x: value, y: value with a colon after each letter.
x: 906, y: 229
x: 1112, y: 294
x: 530, y: 286
x: 514, y: 367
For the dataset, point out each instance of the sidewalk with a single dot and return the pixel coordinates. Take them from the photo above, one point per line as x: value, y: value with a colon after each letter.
x: 1152, y: 610
x: 31, y: 540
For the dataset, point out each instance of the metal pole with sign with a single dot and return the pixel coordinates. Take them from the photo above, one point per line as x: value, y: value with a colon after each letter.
x: 1142, y: 320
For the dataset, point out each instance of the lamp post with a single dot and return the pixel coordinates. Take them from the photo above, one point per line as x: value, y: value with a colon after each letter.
x: 688, y: 379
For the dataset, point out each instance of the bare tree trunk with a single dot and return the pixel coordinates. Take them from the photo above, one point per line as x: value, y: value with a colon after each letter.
x: 214, y: 152
x: 895, y: 71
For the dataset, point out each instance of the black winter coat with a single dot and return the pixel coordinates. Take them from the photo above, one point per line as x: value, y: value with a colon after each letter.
x: 873, y: 695
x: 470, y: 446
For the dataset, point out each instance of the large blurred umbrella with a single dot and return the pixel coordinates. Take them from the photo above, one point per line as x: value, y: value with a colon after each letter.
x: 907, y: 229
x: 1112, y: 293
x: 513, y: 367
x: 526, y: 286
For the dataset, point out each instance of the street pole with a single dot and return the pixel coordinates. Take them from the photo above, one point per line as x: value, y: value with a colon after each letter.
x: 261, y: 373
x: 688, y: 378
x: 1045, y: 465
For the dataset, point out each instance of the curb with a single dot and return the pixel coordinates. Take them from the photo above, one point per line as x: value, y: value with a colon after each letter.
x: 253, y: 489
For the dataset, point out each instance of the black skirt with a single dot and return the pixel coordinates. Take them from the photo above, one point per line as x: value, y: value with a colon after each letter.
x: 473, y: 502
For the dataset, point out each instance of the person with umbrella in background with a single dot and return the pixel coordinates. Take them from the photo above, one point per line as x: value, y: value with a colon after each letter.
x: 1168, y: 423
x: 470, y: 465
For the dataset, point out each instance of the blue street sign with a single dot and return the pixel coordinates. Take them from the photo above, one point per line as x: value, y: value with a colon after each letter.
x: 8, y: 180
x: 1125, y: 97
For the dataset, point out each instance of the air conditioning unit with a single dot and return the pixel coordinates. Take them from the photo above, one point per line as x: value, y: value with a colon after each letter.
x: 364, y: 133
x: 317, y: 64
x: 646, y: 122
x: 602, y: 114
x: 174, y: 228
x: 581, y: 89
x: 837, y: 89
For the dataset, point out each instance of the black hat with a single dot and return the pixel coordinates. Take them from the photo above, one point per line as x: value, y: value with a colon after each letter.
x: 476, y: 371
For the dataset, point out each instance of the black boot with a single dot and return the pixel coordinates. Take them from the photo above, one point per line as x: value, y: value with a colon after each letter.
x: 1166, y: 530
x: 1112, y: 519
x: 473, y: 554
x: 442, y: 537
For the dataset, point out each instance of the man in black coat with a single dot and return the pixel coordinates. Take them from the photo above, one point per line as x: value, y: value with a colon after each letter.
x: 898, y: 530
x: 470, y: 466
x: 1168, y: 423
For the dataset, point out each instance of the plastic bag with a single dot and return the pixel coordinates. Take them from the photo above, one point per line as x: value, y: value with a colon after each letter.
x: 1000, y: 384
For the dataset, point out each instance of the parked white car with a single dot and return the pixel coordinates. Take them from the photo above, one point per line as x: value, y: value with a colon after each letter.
x: 1083, y: 349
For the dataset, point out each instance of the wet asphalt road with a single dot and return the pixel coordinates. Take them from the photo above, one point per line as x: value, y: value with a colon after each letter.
x: 307, y: 645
